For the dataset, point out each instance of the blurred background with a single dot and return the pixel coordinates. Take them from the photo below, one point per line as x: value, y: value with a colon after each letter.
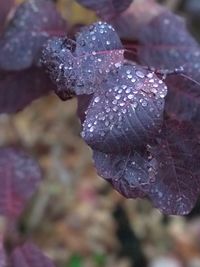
x: 76, y: 217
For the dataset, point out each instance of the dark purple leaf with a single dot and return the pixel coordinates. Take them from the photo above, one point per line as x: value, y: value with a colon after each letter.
x: 169, y: 174
x: 29, y: 255
x: 128, y: 174
x: 126, y: 112
x: 183, y: 99
x: 81, y: 69
x: 177, y: 180
x: 20, y: 176
x: 61, y: 66
x: 165, y: 43
x: 18, y: 89
x: 106, y: 8
x: 34, y: 21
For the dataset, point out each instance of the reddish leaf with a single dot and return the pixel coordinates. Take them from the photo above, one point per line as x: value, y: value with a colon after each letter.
x: 29, y: 255
x: 18, y: 89
x: 34, y: 21
x: 126, y: 112
x: 177, y: 180
x: 20, y: 176
x: 106, y: 8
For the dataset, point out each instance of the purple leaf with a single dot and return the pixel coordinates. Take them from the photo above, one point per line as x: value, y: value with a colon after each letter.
x: 106, y: 8
x: 165, y: 43
x: 127, y: 173
x: 177, y: 180
x: 20, y: 176
x: 61, y: 66
x: 29, y: 255
x: 34, y: 21
x: 167, y: 173
x: 126, y: 112
x: 18, y: 89
x: 183, y: 99
x: 81, y: 69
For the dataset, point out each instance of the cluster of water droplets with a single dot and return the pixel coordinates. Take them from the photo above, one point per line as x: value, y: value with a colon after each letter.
x: 97, y: 52
x: 128, y: 108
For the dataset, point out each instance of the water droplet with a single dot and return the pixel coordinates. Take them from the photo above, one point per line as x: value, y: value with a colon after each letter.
x: 106, y: 123
x: 140, y: 74
x: 92, y: 129
x: 130, y: 96
x: 97, y: 99
x: 150, y: 75
x: 144, y: 103
x: 118, y: 97
x: 121, y: 104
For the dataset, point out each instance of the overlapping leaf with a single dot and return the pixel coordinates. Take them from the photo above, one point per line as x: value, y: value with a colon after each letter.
x: 183, y: 99
x: 20, y: 176
x: 122, y: 121
x: 81, y: 69
x: 165, y: 43
x: 168, y: 172
x: 126, y: 112
x: 127, y: 173
x: 33, y: 22
x: 29, y: 255
x: 106, y: 8
x: 177, y: 182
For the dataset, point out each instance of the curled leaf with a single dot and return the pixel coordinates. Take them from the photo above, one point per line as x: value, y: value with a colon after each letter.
x: 81, y: 67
